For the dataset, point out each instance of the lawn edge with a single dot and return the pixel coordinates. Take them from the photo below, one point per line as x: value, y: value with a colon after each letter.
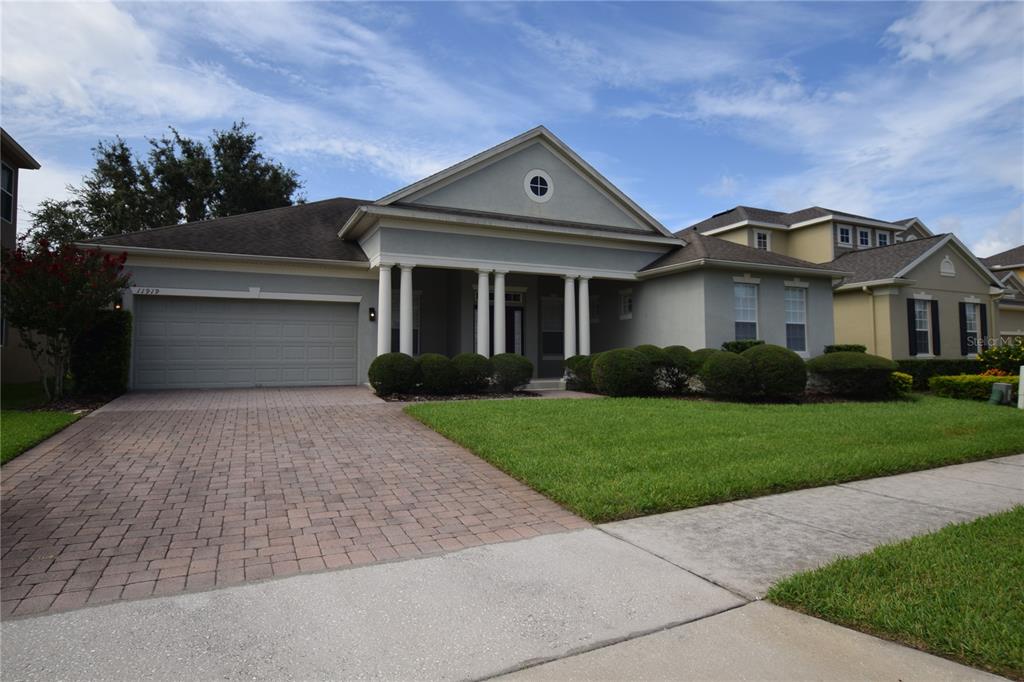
x: 16, y: 455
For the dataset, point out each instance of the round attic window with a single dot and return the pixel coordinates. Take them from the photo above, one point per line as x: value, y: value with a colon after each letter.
x: 538, y: 186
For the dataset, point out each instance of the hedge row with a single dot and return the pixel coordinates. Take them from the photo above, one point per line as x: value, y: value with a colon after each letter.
x: 924, y: 370
x: 968, y: 386
x: 100, y: 357
x: 435, y: 374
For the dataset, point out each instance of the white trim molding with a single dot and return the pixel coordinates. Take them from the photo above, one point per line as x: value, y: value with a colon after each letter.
x: 746, y: 279
x: 796, y: 283
x: 526, y: 268
x: 921, y: 296
x: 253, y: 293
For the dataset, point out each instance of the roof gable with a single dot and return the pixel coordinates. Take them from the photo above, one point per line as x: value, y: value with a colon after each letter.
x: 898, y: 261
x: 494, y: 182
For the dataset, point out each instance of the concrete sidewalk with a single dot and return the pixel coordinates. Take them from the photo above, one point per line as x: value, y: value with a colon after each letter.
x: 553, y: 606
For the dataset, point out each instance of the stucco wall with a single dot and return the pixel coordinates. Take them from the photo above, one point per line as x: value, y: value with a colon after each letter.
x: 720, y: 317
x: 149, y: 276
x: 1010, y: 321
x: 812, y: 243
x: 498, y: 188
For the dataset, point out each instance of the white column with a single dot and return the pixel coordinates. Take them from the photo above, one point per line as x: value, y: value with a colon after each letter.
x: 570, y: 316
x: 483, y: 309
x: 384, y: 309
x: 584, y: 307
x: 405, y: 311
x: 499, y: 312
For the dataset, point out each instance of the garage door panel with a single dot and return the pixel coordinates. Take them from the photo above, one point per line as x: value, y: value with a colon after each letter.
x: 208, y: 343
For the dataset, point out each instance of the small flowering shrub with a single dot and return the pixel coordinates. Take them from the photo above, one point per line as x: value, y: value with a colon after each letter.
x: 1008, y: 357
x: 994, y: 372
x: 53, y: 296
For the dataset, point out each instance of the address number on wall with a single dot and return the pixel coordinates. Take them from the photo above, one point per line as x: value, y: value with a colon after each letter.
x: 145, y: 291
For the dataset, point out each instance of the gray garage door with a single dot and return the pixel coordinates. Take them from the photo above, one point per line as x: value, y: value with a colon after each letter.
x: 213, y: 343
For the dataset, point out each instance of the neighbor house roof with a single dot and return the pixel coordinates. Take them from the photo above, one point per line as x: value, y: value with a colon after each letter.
x: 307, y: 231
x: 1013, y: 258
x: 14, y: 154
x: 704, y: 250
x: 780, y: 219
x: 883, y: 262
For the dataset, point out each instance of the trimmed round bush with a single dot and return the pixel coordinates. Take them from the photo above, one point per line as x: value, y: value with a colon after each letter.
x: 854, y: 375
x: 742, y: 345
x: 579, y: 377
x: 681, y: 370
x: 393, y: 373
x: 665, y: 376
x: 473, y: 372
x: 438, y: 375
x: 623, y: 372
x: 728, y: 376
x: 699, y: 357
x: 511, y: 371
x: 778, y: 373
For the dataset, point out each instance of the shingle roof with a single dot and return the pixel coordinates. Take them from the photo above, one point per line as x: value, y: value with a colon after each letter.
x: 299, y: 231
x: 700, y: 246
x: 882, y: 262
x: 1014, y: 256
x: 741, y: 213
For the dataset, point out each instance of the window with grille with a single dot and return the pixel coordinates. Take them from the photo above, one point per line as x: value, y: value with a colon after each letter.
x: 745, y: 296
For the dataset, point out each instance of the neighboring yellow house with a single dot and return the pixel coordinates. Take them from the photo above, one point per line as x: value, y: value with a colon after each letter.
x: 908, y: 294
x: 1010, y: 321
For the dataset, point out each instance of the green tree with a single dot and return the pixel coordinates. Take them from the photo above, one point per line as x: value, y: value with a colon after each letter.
x: 180, y: 179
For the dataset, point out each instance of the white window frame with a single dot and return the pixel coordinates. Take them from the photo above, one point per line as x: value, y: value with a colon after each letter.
x: 802, y: 290
x: 736, y: 288
x: 975, y: 308
x: 767, y: 240
x: 626, y: 304
x: 849, y: 235
x: 926, y: 305
x: 878, y: 238
x: 863, y: 232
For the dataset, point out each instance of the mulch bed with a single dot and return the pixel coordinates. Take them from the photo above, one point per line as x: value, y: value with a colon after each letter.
x: 420, y: 398
x: 77, y: 403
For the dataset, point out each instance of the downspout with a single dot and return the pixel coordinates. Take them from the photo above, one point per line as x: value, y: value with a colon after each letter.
x: 874, y: 332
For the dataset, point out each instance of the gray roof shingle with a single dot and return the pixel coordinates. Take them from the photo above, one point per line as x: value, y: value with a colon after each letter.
x: 299, y: 231
x: 700, y: 246
x: 763, y: 215
x: 1014, y: 256
x: 881, y: 262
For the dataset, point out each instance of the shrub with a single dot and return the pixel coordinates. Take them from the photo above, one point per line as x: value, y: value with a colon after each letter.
x: 854, y: 375
x: 623, y: 372
x: 664, y: 380
x: 473, y: 372
x: 438, y: 375
x: 101, y: 356
x: 511, y: 371
x: 740, y: 346
x: 778, y: 373
x: 699, y: 357
x: 1005, y: 356
x: 900, y: 384
x: 728, y: 376
x: 967, y: 386
x: 579, y: 367
x: 923, y: 370
x: 846, y: 348
x: 682, y: 367
x: 393, y: 373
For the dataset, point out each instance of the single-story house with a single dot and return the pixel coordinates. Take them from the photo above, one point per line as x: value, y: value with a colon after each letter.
x: 523, y: 248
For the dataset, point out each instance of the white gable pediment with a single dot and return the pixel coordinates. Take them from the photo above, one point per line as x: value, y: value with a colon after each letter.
x: 499, y: 181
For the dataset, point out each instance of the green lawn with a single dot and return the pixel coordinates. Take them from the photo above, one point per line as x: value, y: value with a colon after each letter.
x: 612, y: 459
x: 957, y: 593
x: 21, y: 430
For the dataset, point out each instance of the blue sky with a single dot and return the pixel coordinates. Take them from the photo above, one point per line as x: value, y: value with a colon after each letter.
x: 887, y: 109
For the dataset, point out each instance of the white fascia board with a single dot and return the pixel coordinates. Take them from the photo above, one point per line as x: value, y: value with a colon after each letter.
x: 456, y: 219
x: 888, y: 282
x: 252, y: 293
x: 964, y: 252
x: 215, y: 255
x: 1013, y: 266
x: 841, y: 218
x: 738, y: 265
x: 475, y: 264
x: 744, y: 223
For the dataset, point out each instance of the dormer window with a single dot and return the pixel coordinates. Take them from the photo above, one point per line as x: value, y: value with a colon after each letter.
x: 883, y: 238
x: 761, y: 240
x: 844, y: 235
x: 864, y: 238
x: 538, y: 186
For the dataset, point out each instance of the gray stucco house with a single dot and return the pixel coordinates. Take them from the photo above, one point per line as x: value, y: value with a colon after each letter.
x: 522, y: 248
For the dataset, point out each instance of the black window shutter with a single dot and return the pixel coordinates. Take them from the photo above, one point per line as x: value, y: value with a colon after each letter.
x: 982, y: 327
x: 964, y: 345
x: 911, y: 327
x: 935, y: 329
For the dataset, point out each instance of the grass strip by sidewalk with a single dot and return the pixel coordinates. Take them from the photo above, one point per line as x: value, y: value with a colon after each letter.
x: 958, y: 593
x: 19, y: 431
x: 616, y: 458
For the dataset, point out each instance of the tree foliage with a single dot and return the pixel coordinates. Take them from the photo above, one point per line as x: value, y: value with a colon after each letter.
x: 53, y: 295
x: 180, y: 179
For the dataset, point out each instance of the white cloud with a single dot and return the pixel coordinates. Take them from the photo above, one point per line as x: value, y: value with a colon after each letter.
x: 957, y: 30
x: 999, y: 234
x: 50, y: 181
x: 725, y: 186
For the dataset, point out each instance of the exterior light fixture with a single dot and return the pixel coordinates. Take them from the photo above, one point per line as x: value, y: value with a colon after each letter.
x: 373, y: 314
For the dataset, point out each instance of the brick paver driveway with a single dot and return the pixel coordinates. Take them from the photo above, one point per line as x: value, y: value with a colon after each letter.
x: 157, y: 493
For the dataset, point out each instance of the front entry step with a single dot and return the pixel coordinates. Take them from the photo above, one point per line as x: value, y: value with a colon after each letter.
x: 546, y: 385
